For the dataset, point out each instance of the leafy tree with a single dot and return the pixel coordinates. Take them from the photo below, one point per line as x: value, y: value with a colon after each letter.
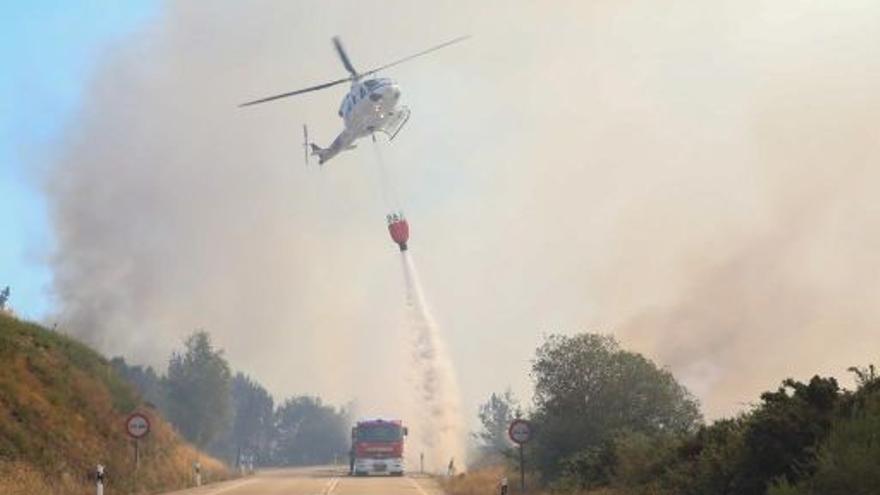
x: 847, y: 464
x: 197, y: 390
x: 783, y: 433
x: 640, y: 461
x: 144, y: 379
x: 309, y: 432
x: 848, y: 460
x: 586, y: 469
x: 709, y: 462
x: 252, y: 422
x: 587, y: 389
x: 496, y: 415
x: 774, y: 445
x: 864, y: 376
x: 4, y: 297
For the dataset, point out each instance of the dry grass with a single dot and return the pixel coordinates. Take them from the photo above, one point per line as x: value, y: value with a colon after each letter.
x: 20, y: 479
x: 485, y: 481
x: 62, y: 410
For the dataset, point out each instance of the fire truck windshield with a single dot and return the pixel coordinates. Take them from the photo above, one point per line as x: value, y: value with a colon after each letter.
x: 379, y: 433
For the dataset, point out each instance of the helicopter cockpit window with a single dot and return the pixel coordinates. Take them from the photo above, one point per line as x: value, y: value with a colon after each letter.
x: 371, y: 84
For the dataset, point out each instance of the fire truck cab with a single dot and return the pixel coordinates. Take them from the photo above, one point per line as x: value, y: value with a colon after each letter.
x: 377, y: 446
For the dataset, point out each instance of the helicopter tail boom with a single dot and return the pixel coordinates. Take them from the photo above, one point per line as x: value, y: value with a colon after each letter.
x: 320, y: 152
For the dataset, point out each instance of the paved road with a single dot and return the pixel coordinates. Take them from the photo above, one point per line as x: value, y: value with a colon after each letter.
x: 317, y: 481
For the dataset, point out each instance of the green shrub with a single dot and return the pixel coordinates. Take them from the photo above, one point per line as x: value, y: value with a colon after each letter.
x: 848, y: 462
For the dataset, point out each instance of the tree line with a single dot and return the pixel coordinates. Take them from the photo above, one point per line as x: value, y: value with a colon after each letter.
x: 610, y: 421
x: 232, y: 416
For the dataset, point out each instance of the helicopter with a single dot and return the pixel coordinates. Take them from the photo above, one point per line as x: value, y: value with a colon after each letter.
x: 370, y: 106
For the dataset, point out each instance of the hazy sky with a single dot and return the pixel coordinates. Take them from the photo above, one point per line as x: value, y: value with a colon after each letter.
x: 47, y: 52
x: 694, y: 177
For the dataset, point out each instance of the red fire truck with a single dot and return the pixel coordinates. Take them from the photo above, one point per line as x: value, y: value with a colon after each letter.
x: 377, y: 447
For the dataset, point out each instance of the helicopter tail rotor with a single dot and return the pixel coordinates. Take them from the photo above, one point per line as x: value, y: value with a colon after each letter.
x: 306, y: 143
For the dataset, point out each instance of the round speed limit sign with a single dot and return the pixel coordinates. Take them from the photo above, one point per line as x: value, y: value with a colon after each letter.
x: 520, y: 431
x: 137, y: 425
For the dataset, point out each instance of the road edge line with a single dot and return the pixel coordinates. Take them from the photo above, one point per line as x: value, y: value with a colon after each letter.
x: 331, y: 485
x: 418, y: 486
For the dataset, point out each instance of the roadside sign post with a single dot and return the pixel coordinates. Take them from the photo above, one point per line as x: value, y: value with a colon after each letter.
x: 520, y: 432
x: 522, y: 470
x: 137, y: 426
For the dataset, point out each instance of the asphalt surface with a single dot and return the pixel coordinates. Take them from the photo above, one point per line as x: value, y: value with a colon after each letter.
x: 317, y: 481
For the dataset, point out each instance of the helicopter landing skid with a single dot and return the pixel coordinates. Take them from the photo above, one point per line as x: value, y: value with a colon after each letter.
x: 395, y: 122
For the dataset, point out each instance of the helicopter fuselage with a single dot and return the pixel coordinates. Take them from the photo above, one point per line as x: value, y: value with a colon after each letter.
x: 369, y: 107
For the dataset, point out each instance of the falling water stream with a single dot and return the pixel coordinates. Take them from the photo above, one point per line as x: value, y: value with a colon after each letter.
x: 440, y: 429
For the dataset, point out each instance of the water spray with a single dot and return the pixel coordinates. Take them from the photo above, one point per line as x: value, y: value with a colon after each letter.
x: 439, y: 425
x: 441, y: 428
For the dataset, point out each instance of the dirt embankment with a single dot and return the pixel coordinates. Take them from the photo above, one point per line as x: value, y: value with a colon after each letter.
x: 62, y: 411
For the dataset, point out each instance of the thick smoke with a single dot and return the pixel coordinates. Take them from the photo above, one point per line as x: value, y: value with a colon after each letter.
x: 794, y: 294
x: 441, y: 431
x: 697, y: 178
x: 175, y: 210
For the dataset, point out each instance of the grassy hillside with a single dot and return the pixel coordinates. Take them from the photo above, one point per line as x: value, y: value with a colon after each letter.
x: 62, y: 410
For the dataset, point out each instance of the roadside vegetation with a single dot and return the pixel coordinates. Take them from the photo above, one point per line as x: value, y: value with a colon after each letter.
x: 611, y: 422
x: 233, y: 416
x: 63, y: 408
x: 62, y: 411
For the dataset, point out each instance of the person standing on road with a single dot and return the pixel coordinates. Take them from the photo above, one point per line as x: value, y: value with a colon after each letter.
x: 351, y: 461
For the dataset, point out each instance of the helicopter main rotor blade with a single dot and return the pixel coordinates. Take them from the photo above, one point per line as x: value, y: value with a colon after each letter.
x: 424, y: 52
x: 297, y: 92
x: 354, y: 74
x: 344, y: 57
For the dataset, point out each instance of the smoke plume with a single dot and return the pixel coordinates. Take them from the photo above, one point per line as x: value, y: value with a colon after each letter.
x: 697, y: 177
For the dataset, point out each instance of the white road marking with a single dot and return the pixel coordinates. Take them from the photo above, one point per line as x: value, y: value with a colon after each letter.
x: 418, y: 486
x: 331, y: 485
